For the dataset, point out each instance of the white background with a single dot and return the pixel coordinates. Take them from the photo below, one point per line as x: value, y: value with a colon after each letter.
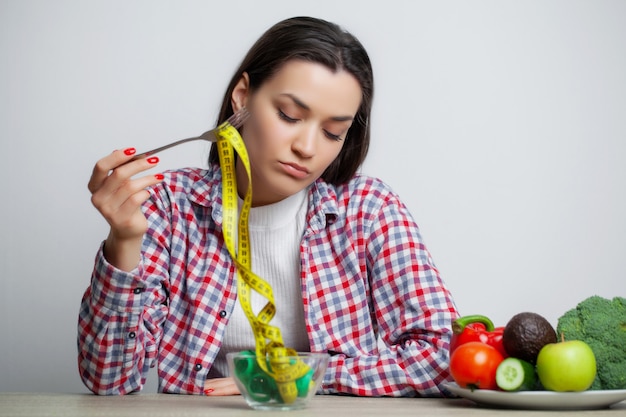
x: 501, y: 124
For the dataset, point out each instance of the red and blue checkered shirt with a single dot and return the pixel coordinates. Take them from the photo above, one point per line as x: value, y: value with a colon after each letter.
x: 372, y: 296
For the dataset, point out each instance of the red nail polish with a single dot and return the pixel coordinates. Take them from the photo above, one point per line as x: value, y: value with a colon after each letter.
x: 130, y: 151
x: 159, y: 176
x: 153, y: 159
x: 208, y: 391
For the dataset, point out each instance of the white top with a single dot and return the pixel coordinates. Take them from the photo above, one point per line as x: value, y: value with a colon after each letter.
x: 275, y: 236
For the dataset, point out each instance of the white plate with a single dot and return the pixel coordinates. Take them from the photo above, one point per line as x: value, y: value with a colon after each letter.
x: 541, y: 400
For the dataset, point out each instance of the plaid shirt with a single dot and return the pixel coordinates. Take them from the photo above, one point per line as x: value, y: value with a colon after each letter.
x: 372, y: 296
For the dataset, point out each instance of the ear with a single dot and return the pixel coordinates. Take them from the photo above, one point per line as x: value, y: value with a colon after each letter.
x: 241, y: 92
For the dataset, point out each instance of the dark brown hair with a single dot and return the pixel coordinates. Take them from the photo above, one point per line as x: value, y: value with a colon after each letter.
x: 322, y: 42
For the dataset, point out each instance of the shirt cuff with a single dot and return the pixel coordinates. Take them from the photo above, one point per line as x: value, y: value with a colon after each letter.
x: 115, y: 289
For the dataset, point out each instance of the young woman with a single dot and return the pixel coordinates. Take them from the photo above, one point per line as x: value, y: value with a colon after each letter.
x: 350, y: 272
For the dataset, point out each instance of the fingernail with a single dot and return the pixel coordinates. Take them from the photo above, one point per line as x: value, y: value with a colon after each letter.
x: 208, y: 391
x: 159, y: 176
x: 153, y: 159
x: 130, y: 151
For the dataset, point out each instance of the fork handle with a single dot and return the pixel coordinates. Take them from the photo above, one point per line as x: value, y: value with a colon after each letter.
x: 204, y: 136
x: 235, y: 120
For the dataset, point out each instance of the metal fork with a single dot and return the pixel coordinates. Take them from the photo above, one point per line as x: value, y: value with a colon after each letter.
x: 236, y: 120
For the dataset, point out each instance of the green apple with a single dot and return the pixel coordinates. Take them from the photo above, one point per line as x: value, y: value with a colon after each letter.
x: 566, y: 366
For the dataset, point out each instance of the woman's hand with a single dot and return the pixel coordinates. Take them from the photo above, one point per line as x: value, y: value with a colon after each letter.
x: 220, y: 387
x: 118, y: 197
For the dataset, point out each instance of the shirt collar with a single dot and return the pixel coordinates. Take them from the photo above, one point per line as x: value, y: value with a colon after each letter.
x: 323, y: 205
x: 206, y: 191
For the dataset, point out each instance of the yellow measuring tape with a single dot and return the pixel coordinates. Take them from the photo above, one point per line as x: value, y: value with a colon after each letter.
x: 268, y: 338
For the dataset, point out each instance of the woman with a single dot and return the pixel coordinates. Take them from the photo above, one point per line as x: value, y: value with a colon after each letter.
x: 350, y: 273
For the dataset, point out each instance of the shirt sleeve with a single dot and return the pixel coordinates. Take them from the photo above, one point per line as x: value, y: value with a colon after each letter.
x: 121, y: 320
x: 412, y: 309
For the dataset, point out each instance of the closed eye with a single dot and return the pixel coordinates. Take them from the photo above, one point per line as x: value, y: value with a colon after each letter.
x: 332, y: 136
x: 283, y: 116
x: 286, y: 118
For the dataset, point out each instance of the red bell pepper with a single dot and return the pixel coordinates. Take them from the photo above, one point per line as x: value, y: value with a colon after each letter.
x: 476, y: 328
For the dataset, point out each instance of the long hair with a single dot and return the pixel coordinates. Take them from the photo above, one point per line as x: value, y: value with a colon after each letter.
x: 318, y: 41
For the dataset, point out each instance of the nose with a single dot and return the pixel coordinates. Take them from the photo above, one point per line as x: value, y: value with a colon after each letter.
x: 304, y: 142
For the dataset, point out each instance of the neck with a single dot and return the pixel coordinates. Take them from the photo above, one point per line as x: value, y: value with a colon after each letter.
x: 260, y: 197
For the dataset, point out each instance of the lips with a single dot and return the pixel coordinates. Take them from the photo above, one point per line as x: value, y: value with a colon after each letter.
x: 295, y: 170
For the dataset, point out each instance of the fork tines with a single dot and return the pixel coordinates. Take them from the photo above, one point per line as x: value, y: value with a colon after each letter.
x: 238, y: 118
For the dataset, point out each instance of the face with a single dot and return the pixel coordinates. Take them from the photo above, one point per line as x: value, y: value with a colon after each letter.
x: 298, y: 122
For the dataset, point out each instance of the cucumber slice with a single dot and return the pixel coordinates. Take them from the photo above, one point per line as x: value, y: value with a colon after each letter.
x: 516, y: 375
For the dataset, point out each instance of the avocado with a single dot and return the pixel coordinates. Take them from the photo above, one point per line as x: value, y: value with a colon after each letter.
x: 525, y: 334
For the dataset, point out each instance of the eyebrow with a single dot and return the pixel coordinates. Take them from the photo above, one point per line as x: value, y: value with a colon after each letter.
x: 304, y: 106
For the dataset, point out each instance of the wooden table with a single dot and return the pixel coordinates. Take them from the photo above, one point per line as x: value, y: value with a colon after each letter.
x: 155, y: 405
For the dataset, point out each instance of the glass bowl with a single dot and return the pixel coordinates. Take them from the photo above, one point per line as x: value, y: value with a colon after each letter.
x: 296, y: 379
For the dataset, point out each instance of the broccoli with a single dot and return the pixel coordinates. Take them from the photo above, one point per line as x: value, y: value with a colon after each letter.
x: 601, y: 323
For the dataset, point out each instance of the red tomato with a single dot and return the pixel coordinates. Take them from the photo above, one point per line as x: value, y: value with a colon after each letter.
x: 473, y: 365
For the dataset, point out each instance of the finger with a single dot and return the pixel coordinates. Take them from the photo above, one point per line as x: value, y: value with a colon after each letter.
x: 136, y: 193
x: 220, y: 387
x: 123, y: 201
x: 104, y: 166
x: 121, y: 176
x: 122, y: 182
x: 120, y: 163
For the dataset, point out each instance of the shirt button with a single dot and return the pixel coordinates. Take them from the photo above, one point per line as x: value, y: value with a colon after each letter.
x: 132, y: 335
x: 138, y: 290
x: 197, y: 367
x: 223, y: 313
